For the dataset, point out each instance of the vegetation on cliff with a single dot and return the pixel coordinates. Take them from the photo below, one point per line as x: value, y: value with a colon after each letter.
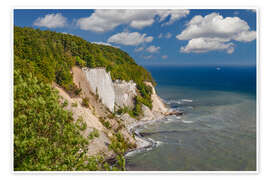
x: 50, y: 56
x: 45, y: 135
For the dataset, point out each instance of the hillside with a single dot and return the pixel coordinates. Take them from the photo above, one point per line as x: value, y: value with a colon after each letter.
x: 64, y: 117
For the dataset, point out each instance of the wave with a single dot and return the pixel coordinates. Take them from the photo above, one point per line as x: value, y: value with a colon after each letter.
x: 178, y: 101
x: 187, y: 122
x: 173, y: 102
x: 149, y: 144
x: 187, y: 100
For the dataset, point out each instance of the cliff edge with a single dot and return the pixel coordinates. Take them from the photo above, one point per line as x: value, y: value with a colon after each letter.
x: 104, y: 95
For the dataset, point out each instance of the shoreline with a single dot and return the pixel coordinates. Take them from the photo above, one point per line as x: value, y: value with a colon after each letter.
x: 143, y: 144
x: 146, y: 144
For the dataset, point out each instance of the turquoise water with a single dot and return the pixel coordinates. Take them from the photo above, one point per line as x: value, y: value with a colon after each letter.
x: 217, y: 131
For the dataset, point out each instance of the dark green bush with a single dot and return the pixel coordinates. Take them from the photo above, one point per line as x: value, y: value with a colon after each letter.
x: 65, y: 103
x: 85, y: 102
x: 80, y: 62
x: 105, y: 123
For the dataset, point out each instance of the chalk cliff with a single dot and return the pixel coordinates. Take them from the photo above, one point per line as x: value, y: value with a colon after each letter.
x: 158, y: 105
x: 96, y: 82
x: 124, y: 93
x: 118, y: 93
x: 101, y: 84
x: 121, y: 93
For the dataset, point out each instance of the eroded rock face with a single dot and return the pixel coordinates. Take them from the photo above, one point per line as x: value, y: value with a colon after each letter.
x: 124, y: 93
x: 158, y: 105
x: 128, y: 121
x: 120, y: 93
x: 101, y: 84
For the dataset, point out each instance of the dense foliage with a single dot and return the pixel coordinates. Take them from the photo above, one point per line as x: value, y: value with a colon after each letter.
x: 50, y: 56
x: 45, y: 137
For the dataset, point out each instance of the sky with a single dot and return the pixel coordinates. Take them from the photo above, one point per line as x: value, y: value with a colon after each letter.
x: 173, y: 37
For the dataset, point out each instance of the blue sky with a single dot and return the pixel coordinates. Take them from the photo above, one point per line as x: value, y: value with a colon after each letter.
x: 159, y: 37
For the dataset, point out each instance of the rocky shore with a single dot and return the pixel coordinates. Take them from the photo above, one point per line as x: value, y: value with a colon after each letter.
x: 105, y: 97
x: 145, y: 143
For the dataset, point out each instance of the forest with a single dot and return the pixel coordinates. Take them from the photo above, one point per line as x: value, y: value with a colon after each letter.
x: 45, y: 137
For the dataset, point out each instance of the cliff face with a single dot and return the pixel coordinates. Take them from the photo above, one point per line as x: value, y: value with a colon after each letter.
x: 158, y: 111
x: 124, y: 93
x: 96, y: 110
x: 119, y: 93
x: 101, y: 84
x: 158, y: 105
x: 92, y: 121
x: 98, y: 83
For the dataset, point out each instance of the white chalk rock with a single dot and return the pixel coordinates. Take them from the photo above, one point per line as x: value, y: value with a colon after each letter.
x: 124, y: 93
x: 101, y: 84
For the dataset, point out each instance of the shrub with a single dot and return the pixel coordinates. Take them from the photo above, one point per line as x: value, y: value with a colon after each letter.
x: 80, y: 62
x: 74, y: 104
x: 77, y: 91
x: 81, y: 124
x: 85, y: 102
x: 65, y: 103
x: 93, y: 134
x: 105, y: 123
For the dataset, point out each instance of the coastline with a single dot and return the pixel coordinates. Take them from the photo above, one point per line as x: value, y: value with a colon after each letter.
x: 144, y: 143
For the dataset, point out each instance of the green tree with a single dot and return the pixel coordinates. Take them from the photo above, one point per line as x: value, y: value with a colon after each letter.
x: 45, y: 136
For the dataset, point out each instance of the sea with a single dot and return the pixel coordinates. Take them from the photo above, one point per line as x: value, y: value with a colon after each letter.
x: 218, y: 129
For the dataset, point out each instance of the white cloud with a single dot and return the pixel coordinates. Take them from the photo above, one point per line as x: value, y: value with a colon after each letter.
x: 51, y: 21
x: 201, y: 45
x: 103, y: 20
x: 214, y: 26
x: 139, y: 49
x: 246, y: 36
x: 174, y: 14
x: 164, y: 57
x: 213, y: 32
x: 130, y: 39
x: 153, y: 49
x: 139, y: 24
x: 160, y: 35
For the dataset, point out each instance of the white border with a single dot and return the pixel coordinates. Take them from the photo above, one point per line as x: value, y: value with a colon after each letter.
x: 147, y: 172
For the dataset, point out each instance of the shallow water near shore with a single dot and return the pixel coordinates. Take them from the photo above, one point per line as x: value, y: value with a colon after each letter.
x: 218, y: 129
